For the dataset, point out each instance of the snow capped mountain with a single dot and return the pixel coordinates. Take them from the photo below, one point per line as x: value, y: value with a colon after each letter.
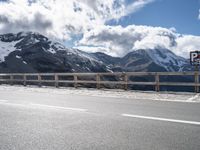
x: 33, y: 52
x: 154, y: 60
x: 167, y: 59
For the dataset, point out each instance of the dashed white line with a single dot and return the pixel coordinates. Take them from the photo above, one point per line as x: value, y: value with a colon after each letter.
x: 5, y: 102
x: 162, y: 119
x: 12, y: 104
x: 58, y: 107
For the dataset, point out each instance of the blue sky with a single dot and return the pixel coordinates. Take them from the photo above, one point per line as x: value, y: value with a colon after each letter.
x: 180, y: 14
x: 115, y: 27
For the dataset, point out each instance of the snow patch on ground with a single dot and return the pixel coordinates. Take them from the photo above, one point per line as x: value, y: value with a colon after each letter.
x: 135, y: 95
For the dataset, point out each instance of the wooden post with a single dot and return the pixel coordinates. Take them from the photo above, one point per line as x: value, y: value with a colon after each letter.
x: 75, y: 81
x: 126, y: 81
x: 196, y: 79
x: 11, y: 79
x: 39, y: 80
x: 98, y: 79
x: 56, y: 80
x: 24, y: 80
x: 157, y: 80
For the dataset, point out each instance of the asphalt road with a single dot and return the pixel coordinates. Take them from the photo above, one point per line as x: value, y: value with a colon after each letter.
x: 50, y: 121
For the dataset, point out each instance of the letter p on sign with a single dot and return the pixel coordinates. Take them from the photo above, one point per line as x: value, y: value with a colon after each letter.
x: 195, y: 58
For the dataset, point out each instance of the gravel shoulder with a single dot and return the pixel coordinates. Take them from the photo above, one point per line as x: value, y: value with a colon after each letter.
x: 161, y: 96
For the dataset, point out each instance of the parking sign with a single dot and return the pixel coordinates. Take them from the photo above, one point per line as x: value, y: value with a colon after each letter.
x: 195, y: 58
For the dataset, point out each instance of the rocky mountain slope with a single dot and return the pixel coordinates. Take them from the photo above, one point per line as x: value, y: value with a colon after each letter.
x: 33, y: 52
x: 154, y: 60
x: 150, y: 60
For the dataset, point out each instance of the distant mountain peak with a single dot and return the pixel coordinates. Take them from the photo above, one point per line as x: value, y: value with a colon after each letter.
x: 33, y: 52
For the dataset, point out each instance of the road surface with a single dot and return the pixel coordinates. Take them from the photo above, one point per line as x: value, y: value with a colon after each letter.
x: 32, y: 120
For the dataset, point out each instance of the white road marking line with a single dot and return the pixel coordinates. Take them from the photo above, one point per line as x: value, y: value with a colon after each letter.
x: 3, y: 100
x: 162, y: 119
x: 12, y: 104
x: 58, y: 107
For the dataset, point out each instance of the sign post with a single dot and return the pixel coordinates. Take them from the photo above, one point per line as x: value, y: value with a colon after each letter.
x: 195, y: 61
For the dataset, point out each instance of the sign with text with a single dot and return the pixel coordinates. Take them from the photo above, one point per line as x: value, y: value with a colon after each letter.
x: 195, y: 58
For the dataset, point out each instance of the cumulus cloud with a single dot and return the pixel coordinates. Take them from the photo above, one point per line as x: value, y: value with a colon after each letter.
x: 65, y: 19
x: 62, y: 18
x: 118, y: 41
x: 187, y: 43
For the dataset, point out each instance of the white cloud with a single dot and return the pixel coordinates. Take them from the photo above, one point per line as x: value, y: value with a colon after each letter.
x: 136, y: 6
x: 187, y: 43
x: 93, y: 49
x: 118, y: 41
x: 62, y: 18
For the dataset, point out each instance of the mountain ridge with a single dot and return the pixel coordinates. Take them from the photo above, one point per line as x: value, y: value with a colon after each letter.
x: 26, y: 52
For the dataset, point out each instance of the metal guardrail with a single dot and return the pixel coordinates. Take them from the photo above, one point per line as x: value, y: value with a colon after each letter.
x: 11, y: 79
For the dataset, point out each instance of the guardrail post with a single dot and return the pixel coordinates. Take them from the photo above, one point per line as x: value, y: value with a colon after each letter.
x: 126, y: 81
x: 157, y: 80
x: 11, y: 79
x: 24, y: 80
x: 75, y: 81
x: 98, y: 79
x: 196, y: 82
x: 39, y: 80
x: 56, y: 80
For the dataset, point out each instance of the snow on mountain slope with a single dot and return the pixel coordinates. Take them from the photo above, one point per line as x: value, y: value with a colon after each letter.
x: 6, y: 49
x: 40, y: 54
x: 154, y: 60
x: 167, y: 59
x: 33, y: 52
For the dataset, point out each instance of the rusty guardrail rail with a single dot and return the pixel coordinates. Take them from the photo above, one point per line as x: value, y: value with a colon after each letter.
x: 125, y: 76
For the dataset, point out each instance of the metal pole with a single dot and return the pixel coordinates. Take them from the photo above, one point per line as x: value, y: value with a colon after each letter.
x: 196, y: 79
